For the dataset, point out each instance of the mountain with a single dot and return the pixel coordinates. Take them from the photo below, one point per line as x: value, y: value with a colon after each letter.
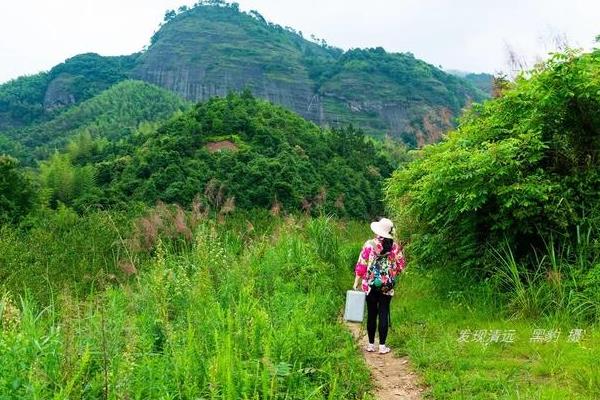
x: 32, y: 99
x: 111, y: 115
x: 209, y: 50
x: 394, y: 94
x: 482, y: 81
x: 215, y: 48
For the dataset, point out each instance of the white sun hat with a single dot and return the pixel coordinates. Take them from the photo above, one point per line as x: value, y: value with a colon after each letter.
x: 383, y: 228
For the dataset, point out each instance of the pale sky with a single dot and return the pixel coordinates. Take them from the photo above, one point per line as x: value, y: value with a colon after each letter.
x: 469, y: 35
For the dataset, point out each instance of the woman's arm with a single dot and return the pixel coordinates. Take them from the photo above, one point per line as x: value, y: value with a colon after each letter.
x: 400, y: 260
x: 361, y: 265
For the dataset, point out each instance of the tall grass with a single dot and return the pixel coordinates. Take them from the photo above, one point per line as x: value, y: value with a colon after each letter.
x: 54, y: 249
x: 246, y: 310
x: 523, y: 287
x: 561, y: 283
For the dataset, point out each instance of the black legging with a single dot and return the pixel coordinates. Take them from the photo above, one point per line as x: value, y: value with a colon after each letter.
x: 378, y: 304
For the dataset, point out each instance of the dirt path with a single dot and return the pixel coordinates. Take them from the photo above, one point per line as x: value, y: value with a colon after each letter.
x: 392, y: 375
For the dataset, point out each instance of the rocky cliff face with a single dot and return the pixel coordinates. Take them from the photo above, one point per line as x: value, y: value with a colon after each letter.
x: 199, y: 83
x: 211, y: 50
x: 59, y: 93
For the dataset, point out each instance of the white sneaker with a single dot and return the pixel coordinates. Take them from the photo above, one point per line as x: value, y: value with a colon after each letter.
x: 371, y: 348
x: 383, y: 349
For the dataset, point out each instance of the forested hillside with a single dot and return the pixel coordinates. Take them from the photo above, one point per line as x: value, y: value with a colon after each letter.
x: 211, y: 49
x: 111, y: 115
x: 482, y: 81
x: 206, y: 51
x: 133, y: 143
x: 40, y: 97
x: 242, y: 152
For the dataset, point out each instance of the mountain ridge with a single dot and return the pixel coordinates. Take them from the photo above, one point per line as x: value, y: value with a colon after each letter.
x: 214, y: 48
x: 134, y: 102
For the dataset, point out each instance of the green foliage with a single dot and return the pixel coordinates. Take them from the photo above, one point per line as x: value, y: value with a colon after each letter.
x: 54, y: 250
x: 62, y: 182
x: 10, y: 147
x: 87, y: 75
x: 428, y: 321
x: 37, y: 98
x: 395, y: 151
x: 519, y: 169
x: 113, y: 114
x: 562, y: 284
x: 216, y: 321
x: 21, y: 100
x: 281, y: 160
x: 482, y: 81
x: 391, y: 75
x: 16, y: 191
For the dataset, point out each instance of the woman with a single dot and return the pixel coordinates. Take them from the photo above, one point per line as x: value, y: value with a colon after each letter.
x: 379, y: 263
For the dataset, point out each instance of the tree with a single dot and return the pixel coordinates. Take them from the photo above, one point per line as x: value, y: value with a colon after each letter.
x: 16, y: 191
x: 500, y: 84
x: 521, y: 170
x: 65, y: 183
x: 169, y: 15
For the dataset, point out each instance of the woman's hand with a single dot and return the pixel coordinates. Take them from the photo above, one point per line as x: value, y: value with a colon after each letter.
x: 356, y: 279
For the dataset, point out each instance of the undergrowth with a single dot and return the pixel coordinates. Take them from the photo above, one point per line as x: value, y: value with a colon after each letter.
x: 244, y: 310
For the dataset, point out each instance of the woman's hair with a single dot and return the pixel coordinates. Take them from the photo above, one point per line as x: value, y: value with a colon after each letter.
x: 387, y: 245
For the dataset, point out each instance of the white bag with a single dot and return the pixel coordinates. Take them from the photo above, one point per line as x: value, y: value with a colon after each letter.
x: 355, y: 306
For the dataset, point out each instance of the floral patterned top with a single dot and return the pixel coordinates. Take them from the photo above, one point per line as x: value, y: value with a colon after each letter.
x: 369, y: 253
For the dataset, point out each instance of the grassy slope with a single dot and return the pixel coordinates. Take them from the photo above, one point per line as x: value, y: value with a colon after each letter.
x: 241, y: 311
x: 274, y: 288
x: 427, y: 326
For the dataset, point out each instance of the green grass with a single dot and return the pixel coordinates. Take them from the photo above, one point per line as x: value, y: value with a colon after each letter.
x: 428, y: 325
x: 245, y: 311
x: 248, y: 308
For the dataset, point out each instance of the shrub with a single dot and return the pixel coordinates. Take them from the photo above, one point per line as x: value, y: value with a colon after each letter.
x: 518, y: 172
